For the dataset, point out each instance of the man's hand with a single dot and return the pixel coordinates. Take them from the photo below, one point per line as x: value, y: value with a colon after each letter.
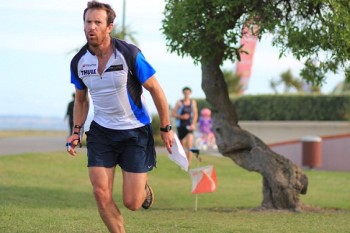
x: 72, y: 142
x: 168, y: 139
x: 191, y: 127
x: 185, y: 116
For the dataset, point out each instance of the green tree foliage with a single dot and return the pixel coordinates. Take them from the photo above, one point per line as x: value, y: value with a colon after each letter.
x: 311, y: 30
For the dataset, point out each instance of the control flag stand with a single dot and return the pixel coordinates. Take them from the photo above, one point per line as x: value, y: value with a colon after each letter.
x: 203, y: 178
x: 196, y: 152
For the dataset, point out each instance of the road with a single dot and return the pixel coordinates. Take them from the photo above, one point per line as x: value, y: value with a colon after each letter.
x: 19, y: 145
x: 269, y: 132
x: 32, y: 144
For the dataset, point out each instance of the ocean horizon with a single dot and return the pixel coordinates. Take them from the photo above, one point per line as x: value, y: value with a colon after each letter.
x: 33, y: 123
x: 8, y: 122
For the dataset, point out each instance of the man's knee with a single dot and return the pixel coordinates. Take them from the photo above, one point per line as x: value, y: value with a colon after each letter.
x: 102, y: 197
x: 132, y: 203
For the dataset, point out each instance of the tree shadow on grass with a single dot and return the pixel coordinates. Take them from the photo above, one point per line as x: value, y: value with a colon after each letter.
x: 307, y: 208
x: 38, y: 197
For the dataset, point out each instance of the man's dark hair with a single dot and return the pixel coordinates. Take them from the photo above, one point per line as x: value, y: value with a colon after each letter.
x: 186, y: 89
x: 101, y: 6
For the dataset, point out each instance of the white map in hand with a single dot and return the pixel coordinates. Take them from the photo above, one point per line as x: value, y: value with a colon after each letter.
x: 178, y: 154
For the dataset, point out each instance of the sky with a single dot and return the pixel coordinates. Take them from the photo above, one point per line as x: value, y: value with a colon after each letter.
x: 39, y: 37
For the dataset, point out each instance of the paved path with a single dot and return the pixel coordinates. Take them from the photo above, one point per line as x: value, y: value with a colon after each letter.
x: 19, y: 145
x: 269, y: 132
x: 32, y: 144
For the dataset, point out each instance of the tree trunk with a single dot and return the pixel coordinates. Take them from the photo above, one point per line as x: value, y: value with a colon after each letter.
x: 283, y: 181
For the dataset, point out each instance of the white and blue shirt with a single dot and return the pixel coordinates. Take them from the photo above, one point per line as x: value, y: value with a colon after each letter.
x: 116, y: 93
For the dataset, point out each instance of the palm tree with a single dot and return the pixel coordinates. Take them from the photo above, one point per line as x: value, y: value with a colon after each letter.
x: 290, y: 82
x: 124, y: 33
x: 234, y: 86
x: 342, y: 88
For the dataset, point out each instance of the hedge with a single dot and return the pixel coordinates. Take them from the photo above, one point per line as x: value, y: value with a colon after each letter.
x: 282, y: 108
x: 290, y: 107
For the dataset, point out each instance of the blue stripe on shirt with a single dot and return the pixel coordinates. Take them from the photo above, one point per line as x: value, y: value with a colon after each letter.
x: 78, y: 83
x: 143, y: 69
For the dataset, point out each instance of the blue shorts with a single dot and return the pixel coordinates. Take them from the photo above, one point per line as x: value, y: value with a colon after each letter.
x: 133, y: 149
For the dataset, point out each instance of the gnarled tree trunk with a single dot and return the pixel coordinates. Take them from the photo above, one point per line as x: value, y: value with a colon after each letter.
x: 283, y: 181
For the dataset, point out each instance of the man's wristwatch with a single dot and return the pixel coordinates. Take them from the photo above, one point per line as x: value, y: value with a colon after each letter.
x: 167, y: 128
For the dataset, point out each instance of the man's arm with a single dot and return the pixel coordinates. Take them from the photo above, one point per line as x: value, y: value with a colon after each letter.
x: 175, y: 109
x: 195, y: 114
x: 162, y: 106
x: 81, y: 109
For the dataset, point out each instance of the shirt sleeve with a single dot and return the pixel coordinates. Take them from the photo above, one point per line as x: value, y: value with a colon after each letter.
x: 78, y: 83
x: 143, y: 69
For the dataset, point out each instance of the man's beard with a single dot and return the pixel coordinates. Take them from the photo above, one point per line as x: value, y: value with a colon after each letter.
x: 93, y: 43
x: 96, y: 41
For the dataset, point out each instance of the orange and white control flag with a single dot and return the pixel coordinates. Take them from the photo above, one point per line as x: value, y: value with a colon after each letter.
x: 203, y: 179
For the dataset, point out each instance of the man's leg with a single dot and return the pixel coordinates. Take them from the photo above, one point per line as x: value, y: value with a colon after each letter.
x: 189, y: 140
x: 134, y: 192
x: 102, y: 182
x: 187, y: 143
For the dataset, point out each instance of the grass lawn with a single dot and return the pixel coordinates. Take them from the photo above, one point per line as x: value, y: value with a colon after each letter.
x: 50, y: 192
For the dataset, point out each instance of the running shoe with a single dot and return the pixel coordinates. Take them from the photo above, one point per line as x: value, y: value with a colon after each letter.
x: 149, y: 197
